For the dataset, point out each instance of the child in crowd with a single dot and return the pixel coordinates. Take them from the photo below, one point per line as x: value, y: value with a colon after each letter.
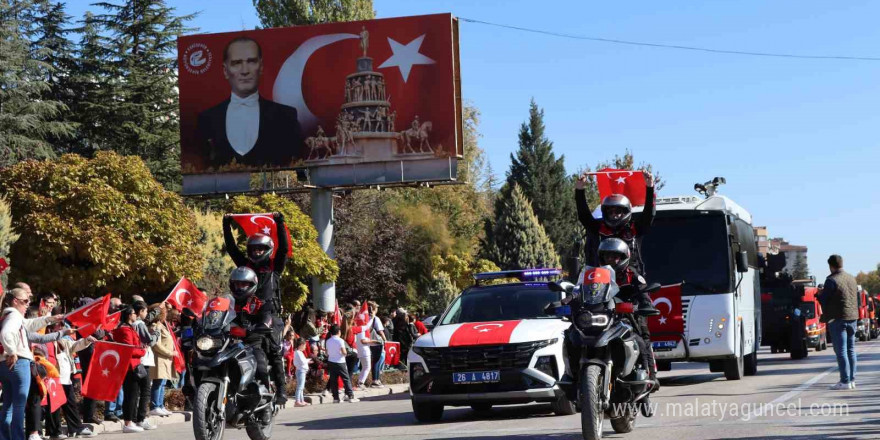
x: 301, y: 362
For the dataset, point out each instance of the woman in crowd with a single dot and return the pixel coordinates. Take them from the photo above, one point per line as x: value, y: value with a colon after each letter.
x: 15, y: 361
x: 404, y: 333
x: 64, y: 352
x: 349, y: 331
x: 301, y: 362
x: 136, y: 388
x: 164, y: 354
x: 377, y: 351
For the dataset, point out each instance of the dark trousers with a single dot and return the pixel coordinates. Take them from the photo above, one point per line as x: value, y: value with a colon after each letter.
x: 136, y: 397
x: 33, y: 411
x: 71, y: 414
x: 88, y: 406
x: 337, y: 371
x: 268, y: 353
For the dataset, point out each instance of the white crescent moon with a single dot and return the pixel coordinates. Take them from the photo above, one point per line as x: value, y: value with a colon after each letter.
x: 177, y: 296
x: 288, y: 84
x: 88, y: 310
x: 663, y: 300
x: 488, y: 325
x: 112, y: 353
x: 255, y: 217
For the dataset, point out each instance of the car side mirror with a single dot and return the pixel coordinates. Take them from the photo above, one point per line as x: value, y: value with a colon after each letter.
x: 742, y: 262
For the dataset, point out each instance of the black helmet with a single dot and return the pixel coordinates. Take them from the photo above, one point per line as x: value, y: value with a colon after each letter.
x: 616, y: 202
x: 614, y: 246
x: 257, y: 243
x: 243, y: 283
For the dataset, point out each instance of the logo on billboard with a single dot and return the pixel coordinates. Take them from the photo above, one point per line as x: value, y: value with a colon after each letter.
x: 197, y: 58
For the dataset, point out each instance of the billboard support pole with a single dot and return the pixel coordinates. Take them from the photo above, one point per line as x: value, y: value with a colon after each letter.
x: 322, y: 218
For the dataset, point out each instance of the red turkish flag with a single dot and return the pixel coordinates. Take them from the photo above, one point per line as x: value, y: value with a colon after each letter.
x: 185, y: 295
x: 179, y: 360
x: 112, y: 321
x: 55, y: 395
x: 263, y: 224
x: 629, y: 183
x: 337, y: 315
x: 597, y: 275
x: 363, y: 315
x: 392, y: 353
x: 306, y: 67
x: 669, y: 324
x: 90, y: 317
x: 110, y: 363
x: 3, y: 266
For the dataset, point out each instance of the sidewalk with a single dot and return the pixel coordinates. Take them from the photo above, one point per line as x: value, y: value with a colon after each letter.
x: 314, y: 399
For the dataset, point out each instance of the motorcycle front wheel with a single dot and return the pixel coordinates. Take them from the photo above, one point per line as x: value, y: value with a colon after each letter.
x: 208, y: 423
x: 592, y: 413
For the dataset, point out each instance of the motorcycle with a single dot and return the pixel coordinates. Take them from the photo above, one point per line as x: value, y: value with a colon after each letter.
x: 608, y: 376
x: 228, y: 390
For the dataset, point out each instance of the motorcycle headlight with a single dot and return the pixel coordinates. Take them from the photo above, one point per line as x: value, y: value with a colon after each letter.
x: 206, y: 343
x: 586, y: 319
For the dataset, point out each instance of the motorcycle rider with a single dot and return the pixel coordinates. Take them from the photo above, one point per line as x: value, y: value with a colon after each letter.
x: 617, y: 222
x: 615, y: 253
x: 263, y: 306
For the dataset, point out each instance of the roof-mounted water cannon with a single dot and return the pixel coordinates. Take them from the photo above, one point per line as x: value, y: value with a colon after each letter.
x: 709, y: 188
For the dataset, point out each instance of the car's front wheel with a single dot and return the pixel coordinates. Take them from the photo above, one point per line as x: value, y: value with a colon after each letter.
x: 427, y: 412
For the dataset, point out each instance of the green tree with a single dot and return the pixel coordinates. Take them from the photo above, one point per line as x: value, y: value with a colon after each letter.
x: 308, y: 259
x: 281, y: 13
x: 517, y: 239
x: 217, y: 266
x: 142, y: 116
x: 440, y: 292
x: 799, y: 269
x: 543, y: 180
x: 870, y: 281
x: 89, y: 226
x: 28, y: 117
x: 91, y: 89
x: 7, y: 235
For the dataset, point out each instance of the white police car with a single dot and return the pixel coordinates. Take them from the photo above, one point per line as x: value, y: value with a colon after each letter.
x: 493, y: 345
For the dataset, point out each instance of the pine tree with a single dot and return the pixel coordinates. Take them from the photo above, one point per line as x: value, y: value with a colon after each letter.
x: 143, y: 112
x: 517, y: 239
x: 27, y: 117
x: 280, y: 13
x: 799, y: 269
x: 543, y: 180
x: 91, y: 89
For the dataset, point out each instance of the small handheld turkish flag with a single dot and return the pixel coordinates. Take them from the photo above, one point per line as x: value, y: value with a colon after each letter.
x: 90, y: 317
x: 263, y: 224
x: 3, y: 265
x: 392, y: 353
x: 179, y: 360
x: 629, y: 183
x: 337, y: 315
x: 112, y: 321
x: 110, y: 362
x: 185, y: 295
x: 54, y: 393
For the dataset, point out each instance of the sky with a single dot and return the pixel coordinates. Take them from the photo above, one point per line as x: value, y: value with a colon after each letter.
x: 796, y: 139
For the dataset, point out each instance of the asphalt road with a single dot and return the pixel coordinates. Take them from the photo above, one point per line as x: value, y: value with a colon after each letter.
x: 786, y: 400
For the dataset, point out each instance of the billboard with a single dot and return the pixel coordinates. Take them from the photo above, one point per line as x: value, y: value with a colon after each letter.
x: 357, y: 103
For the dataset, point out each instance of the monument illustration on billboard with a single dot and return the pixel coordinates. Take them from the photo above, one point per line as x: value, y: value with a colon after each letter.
x: 357, y: 103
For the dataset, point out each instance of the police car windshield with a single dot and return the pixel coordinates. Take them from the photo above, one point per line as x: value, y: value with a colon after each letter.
x: 500, y: 303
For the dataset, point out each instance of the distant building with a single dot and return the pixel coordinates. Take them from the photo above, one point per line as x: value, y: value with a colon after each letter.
x: 795, y: 255
x: 764, y: 245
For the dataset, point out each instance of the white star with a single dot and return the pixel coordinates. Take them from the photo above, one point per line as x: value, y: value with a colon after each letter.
x: 266, y: 230
x: 621, y: 180
x: 189, y: 303
x: 106, y: 372
x: 662, y: 320
x: 405, y: 56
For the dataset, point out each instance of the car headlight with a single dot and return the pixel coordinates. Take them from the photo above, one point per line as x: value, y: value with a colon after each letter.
x: 206, y: 343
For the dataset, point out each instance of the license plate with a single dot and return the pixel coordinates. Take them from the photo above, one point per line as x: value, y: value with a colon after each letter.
x: 664, y: 344
x: 477, y: 377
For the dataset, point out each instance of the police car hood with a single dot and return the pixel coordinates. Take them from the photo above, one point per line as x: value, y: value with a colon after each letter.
x: 493, y: 333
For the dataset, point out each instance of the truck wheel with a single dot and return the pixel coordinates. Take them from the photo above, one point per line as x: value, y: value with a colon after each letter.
x: 562, y: 406
x: 750, y: 367
x: 427, y: 413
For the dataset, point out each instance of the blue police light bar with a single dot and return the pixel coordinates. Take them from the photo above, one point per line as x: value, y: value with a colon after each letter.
x: 523, y: 274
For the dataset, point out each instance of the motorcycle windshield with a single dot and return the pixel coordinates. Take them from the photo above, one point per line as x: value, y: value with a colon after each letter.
x: 219, y: 312
x: 597, y: 285
x: 595, y: 293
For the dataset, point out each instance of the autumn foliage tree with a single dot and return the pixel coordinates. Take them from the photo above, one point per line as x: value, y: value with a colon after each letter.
x: 89, y: 226
x: 308, y: 259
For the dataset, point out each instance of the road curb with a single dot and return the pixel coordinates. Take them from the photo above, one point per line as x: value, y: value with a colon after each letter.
x: 314, y: 399
x: 317, y: 399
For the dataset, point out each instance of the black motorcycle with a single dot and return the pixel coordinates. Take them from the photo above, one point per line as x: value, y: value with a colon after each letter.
x: 228, y: 390
x: 608, y: 376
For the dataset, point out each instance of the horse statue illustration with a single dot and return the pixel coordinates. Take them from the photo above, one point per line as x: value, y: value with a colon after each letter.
x: 420, y: 135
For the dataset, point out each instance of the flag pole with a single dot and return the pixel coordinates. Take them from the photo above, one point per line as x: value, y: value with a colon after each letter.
x: 594, y: 173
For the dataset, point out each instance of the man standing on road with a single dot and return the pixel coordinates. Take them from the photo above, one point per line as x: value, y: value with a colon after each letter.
x: 840, y: 310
